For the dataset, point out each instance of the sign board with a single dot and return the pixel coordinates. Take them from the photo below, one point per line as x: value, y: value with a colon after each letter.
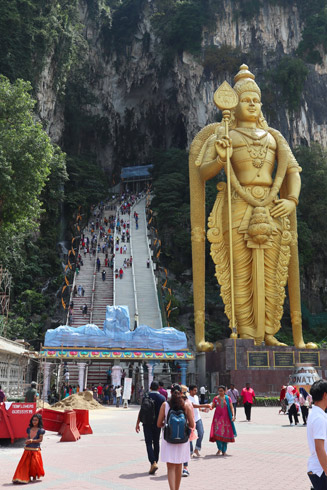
x: 310, y: 356
x: 127, y: 389
x: 258, y: 359
x: 15, y: 418
x: 284, y: 359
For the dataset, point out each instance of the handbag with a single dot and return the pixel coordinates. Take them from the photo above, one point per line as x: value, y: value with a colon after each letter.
x: 193, y: 435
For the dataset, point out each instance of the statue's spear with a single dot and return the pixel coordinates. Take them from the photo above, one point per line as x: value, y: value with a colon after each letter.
x: 226, y: 99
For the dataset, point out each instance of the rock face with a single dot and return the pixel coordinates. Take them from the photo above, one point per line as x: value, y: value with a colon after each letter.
x: 142, y: 105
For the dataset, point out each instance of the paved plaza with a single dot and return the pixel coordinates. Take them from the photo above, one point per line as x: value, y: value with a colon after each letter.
x: 268, y: 454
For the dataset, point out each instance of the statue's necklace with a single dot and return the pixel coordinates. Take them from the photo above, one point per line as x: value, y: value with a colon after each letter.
x: 258, y: 149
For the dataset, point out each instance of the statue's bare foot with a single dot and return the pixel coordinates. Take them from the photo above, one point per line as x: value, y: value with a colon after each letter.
x: 271, y: 340
x: 204, y: 346
x: 311, y: 345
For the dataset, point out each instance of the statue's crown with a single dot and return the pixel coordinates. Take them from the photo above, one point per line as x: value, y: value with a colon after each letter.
x: 244, y: 81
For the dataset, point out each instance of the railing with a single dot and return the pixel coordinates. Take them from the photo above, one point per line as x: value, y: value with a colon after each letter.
x: 136, y: 318
x: 94, y: 277
x: 152, y: 270
x: 114, y: 262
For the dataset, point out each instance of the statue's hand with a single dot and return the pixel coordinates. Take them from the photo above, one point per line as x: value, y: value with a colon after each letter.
x: 221, y: 147
x: 283, y: 208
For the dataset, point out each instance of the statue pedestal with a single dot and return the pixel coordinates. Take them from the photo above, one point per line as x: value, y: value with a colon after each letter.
x: 265, y: 368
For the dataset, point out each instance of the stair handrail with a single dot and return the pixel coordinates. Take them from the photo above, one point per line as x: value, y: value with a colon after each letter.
x: 114, y: 261
x: 152, y: 270
x: 136, y: 317
x: 94, y: 276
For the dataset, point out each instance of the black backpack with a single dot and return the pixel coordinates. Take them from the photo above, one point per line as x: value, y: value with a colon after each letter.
x: 147, y: 412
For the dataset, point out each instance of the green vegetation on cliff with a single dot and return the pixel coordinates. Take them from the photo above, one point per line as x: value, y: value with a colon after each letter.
x: 32, y: 31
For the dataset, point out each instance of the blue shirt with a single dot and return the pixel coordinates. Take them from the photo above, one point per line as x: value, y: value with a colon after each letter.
x: 290, y: 398
x: 34, y: 444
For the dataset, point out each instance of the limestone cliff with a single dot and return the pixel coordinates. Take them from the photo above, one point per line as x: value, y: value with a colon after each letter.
x: 142, y: 104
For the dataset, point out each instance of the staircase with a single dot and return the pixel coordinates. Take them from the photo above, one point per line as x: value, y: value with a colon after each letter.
x: 88, y: 275
x: 146, y: 290
x: 137, y: 288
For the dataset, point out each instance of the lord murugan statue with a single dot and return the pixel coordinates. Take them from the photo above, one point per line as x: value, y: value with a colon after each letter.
x: 252, y: 226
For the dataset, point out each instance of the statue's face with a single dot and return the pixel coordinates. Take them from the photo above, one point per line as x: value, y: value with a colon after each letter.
x: 249, y: 107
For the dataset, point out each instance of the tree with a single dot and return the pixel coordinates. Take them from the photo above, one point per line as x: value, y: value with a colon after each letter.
x: 26, y: 158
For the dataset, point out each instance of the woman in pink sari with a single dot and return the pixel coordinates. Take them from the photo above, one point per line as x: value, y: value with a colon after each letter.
x: 222, y: 428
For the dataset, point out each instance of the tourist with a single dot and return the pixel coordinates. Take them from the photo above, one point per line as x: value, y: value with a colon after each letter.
x: 141, y: 391
x: 3, y: 397
x: 317, y: 436
x: 103, y: 275
x: 291, y: 401
x: 222, y: 428
x: 31, y: 393
x: 106, y: 394
x: 148, y: 415
x: 305, y: 403
x: 84, y: 310
x: 193, y: 434
x: 194, y: 399
x: 233, y: 395
x: 98, y: 264
x: 31, y: 464
x: 121, y: 272
x: 118, y: 395
x: 282, y: 399
x: 100, y: 391
x: 248, y: 396
x: 148, y: 263
x: 202, y: 394
x: 175, y: 454
x: 162, y: 390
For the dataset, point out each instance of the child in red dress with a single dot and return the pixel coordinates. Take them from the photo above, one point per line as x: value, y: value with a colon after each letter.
x: 31, y: 464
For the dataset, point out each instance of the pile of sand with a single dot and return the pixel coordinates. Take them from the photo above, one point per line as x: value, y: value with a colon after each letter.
x: 42, y: 404
x: 83, y: 400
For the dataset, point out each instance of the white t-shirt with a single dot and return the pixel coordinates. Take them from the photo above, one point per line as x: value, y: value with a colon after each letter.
x: 202, y: 390
x: 195, y: 399
x: 316, y: 429
x: 118, y: 392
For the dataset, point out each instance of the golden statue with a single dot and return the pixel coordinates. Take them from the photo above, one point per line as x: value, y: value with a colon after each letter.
x: 253, y: 222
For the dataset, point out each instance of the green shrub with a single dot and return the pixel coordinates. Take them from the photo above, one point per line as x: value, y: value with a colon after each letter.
x: 290, y: 75
x: 223, y: 59
x: 314, y: 35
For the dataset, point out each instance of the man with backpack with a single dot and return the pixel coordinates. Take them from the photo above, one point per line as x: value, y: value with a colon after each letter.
x: 148, y: 415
